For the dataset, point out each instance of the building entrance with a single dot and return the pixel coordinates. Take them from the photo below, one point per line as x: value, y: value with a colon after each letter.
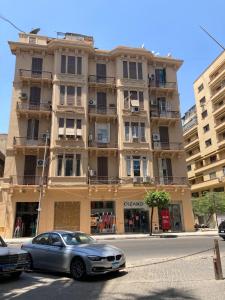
x: 26, y: 219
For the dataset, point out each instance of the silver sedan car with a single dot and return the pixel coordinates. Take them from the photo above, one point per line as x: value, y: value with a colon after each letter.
x: 73, y: 252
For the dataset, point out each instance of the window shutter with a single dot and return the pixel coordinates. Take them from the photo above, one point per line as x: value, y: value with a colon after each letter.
x: 143, y: 132
x: 132, y: 70
x: 125, y: 69
x: 128, y: 165
x: 141, y: 100
x: 127, y: 131
x: 79, y: 65
x: 71, y: 64
x: 62, y: 94
x: 70, y: 95
x: 36, y: 65
x: 140, y: 75
x: 63, y: 63
x: 79, y: 89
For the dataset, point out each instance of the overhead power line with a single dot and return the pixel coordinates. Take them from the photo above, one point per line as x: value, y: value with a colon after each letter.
x: 221, y: 46
x: 11, y: 23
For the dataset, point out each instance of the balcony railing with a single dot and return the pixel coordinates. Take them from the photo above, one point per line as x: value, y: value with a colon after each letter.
x: 163, y: 85
x: 101, y: 80
x: 97, y: 144
x: 104, y: 180
x: 190, y: 124
x: 33, y: 106
x: 170, y: 180
x: 166, y: 180
x: 29, y: 142
x: 35, y: 74
x: 102, y: 110
x: 166, y: 146
x: 28, y: 180
x: 165, y: 114
x: 219, y: 88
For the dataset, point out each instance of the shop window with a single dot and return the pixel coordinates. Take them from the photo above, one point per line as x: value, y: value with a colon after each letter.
x: 136, y: 217
x: 103, y: 218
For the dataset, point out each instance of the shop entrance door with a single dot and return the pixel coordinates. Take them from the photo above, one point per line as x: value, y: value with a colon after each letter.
x: 103, y: 169
x: 175, y: 217
x: 25, y: 220
x: 136, y: 221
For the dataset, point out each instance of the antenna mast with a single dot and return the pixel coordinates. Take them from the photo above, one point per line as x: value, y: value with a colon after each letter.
x: 221, y: 46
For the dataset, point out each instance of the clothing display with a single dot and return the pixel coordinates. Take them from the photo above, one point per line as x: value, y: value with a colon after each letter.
x: 103, y: 223
x: 135, y: 220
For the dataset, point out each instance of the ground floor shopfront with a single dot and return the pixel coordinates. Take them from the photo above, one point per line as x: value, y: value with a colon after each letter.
x: 98, y: 211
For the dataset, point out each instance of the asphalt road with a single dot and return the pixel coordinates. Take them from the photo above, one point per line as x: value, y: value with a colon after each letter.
x: 144, y: 249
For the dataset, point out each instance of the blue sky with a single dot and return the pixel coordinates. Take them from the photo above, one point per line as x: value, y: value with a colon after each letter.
x: 163, y: 26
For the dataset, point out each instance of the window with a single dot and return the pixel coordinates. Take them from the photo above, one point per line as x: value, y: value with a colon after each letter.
x: 69, y: 123
x: 213, y: 158
x: 208, y: 142
x: 32, y: 129
x: 142, y: 132
x: 32, y: 40
x: 144, y: 165
x: 70, y: 95
x: 202, y: 100
x: 128, y: 165
x: 127, y: 131
x: 59, y: 167
x: 219, y: 189
x: 78, y: 156
x: 134, y: 130
x: 132, y: 70
x: 200, y: 88
x: 36, y: 66
x: 130, y: 98
x: 223, y: 169
x: 61, y: 123
x: 103, y: 133
x: 190, y: 153
x: 78, y: 124
x: 42, y: 239
x: 204, y: 114
x: 68, y: 165
x: 189, y: 168
x: 136, y: 165
x: 206, y: 128
x: 212, y: 175
x: 71, y: 64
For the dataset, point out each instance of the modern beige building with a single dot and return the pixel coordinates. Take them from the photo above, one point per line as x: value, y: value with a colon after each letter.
x: 204, y: 131
x: 91, y: 131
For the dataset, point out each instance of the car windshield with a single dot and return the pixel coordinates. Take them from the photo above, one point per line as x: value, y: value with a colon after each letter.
x: 77, y: 238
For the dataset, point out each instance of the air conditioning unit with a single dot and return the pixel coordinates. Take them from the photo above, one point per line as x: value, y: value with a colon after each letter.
x: 61, y: 131
x: 70, y: 132
x: 92, y: 173
x: 137, y: 179
x: 135, y: 109
x: 92, y: 102
x: 146, y: 179
x: 156, y: 137
x: 79, y: 132
x: 23, y: 96
x: 40, y: 163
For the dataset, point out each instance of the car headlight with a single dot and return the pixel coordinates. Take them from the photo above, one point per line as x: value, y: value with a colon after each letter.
x: 94, y: 258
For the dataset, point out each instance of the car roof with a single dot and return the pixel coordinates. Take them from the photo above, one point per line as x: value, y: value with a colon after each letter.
x: 61, y: 231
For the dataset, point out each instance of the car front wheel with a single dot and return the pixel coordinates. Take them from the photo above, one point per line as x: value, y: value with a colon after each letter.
x: 78, y: 269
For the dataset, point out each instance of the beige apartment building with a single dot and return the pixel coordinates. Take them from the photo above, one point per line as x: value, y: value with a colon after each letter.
x: 204, y: 131
x: 91, y: 131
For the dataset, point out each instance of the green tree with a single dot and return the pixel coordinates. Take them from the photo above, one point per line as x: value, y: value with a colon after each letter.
x: 156, y: 199
x: 209, y: 204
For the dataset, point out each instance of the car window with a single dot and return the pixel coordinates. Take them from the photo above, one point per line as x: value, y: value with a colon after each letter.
x: 77, y: 238
x: 2, y: 243
x: 42, y: 239
x: 54, y: 238
x: 222, y: 224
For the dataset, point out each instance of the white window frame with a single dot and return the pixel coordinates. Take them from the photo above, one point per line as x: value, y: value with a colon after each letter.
x: 99, y: 126
x: 64, y: 165
x: 66, y: 67
x: 64, y: 99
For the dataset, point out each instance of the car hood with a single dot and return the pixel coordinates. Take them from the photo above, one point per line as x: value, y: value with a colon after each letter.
x: 10, y: 251
x: 97, y: 249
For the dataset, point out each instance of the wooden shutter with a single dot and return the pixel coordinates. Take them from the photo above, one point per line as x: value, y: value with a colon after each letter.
x: 141, y: 100
x: 140, y: 75
x: 70, y: 95
x: 79, y: 91
x: 132, y: 70
x: 35, y: 95
x: 71, y: 65
x: 79, y: 65
x: 63, y: 63
x: 101, y: 72
x: 125, y: 69
x: 62, y: 94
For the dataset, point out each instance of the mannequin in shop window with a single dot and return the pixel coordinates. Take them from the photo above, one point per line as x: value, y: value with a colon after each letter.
x: 18, y: 227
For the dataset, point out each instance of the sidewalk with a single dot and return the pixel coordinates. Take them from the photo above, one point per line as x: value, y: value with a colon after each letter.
x: 134, y: 236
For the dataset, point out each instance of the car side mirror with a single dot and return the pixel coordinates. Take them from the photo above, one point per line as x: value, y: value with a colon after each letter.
x: 58, y: 244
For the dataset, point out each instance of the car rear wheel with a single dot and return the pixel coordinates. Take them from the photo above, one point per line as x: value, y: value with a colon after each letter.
x: 16, y: 275
x: 78, y: 269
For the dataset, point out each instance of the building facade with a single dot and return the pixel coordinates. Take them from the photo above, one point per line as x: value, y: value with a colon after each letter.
x: 90, y: 132
x: 204, y: 131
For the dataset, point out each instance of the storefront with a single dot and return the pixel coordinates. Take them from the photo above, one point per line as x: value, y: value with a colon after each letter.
x: 136, y: 217
x: 171, y: 218
x: 103, y: 217
x: 25, y: 219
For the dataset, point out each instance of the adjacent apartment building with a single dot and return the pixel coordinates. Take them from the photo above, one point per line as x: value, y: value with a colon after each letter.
x: 90, y: 132
x: 204, y: 131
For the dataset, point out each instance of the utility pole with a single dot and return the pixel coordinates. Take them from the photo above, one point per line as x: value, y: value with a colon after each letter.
x: 41, y: 186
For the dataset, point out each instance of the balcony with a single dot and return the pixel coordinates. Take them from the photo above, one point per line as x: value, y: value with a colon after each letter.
x: 101, y: 81
x: 190, y: 125
x: 33, y: 109
x: 166, y: 180
x: 102, y: 112
x: 220, y: 124
x: 192, y: 144
x: 165, y: 86
x: 218, y: 92
x: 104, y: 180
x: 69, y: 142
x: 32, y: 144
x: 35, y: 76
x: 106, y: 148
x: 167, y: 146
x: 28, y: 180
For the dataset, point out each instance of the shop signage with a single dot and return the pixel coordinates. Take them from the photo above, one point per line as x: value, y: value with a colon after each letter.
x: 135, y: 205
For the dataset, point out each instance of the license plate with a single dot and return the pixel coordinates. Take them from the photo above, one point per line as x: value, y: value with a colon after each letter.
x: 115, y: 265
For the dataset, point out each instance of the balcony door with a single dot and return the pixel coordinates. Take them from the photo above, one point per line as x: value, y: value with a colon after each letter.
x: 101, y: 103
x: 160, y: 77
x: 36, y: 67
x: 103, y: 169
x: 30, y: 169
x: 167, y: 170
x: 101, y: 72
x: 162, y: 105
x: 35, y: 97
x: 32, y: 129
x: 164, y: 137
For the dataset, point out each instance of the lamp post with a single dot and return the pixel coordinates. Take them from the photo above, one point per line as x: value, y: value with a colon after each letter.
x: 42, y: 182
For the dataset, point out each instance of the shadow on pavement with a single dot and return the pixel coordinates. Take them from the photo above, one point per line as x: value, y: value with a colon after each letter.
x: 169, y: 293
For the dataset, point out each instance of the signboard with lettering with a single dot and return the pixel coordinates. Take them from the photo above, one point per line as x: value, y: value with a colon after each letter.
x: 135, y: 205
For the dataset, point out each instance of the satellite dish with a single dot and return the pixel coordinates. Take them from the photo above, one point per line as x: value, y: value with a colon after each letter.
x: 35, y: 31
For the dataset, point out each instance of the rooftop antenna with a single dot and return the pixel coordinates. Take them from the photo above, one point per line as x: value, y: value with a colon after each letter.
x: 142, y: 46
x: 221, y: 46
x: 11, y: 23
